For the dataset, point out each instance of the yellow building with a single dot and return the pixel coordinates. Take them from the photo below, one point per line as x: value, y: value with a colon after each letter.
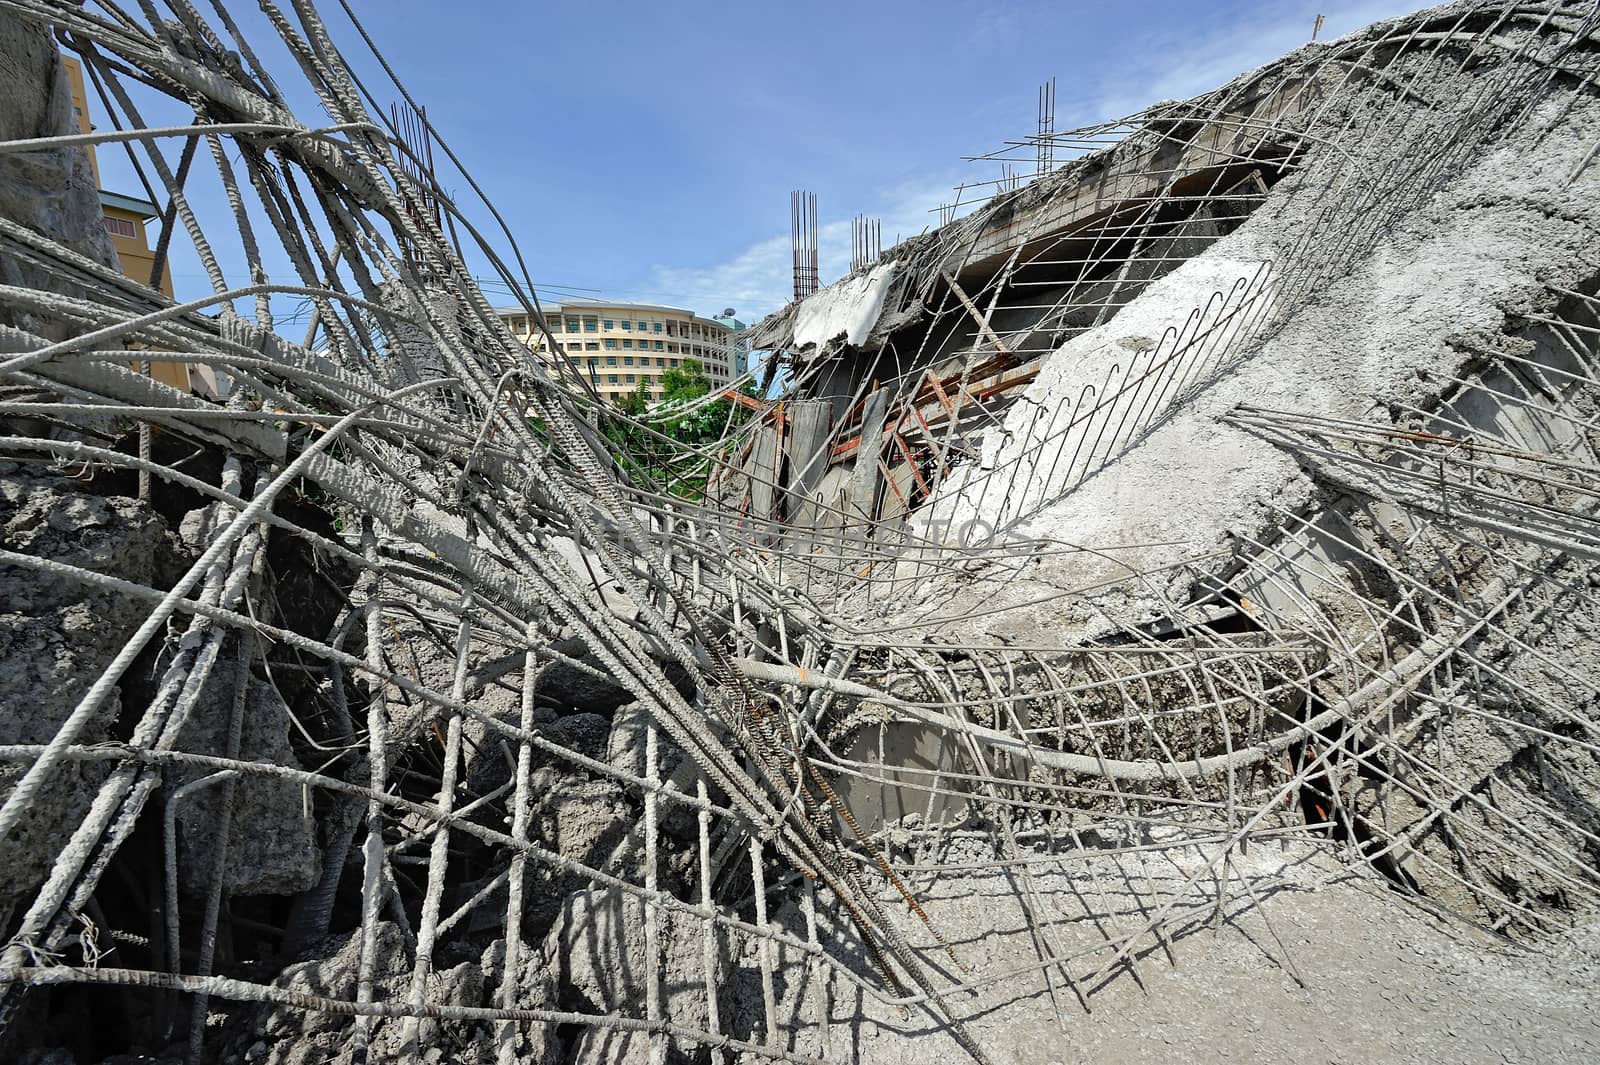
x: 619, y: 346
x: 125, y: 216
x: 125, y: 220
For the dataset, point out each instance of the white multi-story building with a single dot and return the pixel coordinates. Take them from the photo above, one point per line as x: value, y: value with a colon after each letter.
x: 619, y: 346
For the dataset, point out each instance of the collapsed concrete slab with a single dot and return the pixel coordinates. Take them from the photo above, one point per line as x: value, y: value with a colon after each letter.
x: 1200, y: 537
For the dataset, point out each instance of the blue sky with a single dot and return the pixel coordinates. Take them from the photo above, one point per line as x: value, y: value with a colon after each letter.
x: 646, y: 150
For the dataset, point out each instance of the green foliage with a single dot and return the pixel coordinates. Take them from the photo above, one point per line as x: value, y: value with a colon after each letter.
x: 682, y: 388
x: 688, y: 382
x: 635, y: 403
x: 678, y: 419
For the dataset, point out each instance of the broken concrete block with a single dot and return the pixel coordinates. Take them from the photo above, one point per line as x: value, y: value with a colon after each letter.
x: 56, y: 635
x: 596, y: 952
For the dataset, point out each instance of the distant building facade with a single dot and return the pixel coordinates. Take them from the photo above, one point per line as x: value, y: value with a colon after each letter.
x: 125, y: 218
x: 741, y: 343
x: 619, y: 346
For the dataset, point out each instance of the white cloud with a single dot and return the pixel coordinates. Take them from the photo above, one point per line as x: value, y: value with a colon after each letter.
x: 1194, y: 66
x: 749, y: 282
x: 759, y: 279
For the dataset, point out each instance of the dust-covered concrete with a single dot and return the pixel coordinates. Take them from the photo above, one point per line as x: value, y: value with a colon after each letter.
x: 1307, y: 961
x: 55, y: 638
x: 1429, y: 895
x: 1378, y: 340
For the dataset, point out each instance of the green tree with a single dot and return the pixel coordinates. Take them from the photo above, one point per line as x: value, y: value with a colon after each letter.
x: 698, y: 424
x: 659, y: 440
x: 685, y: 383
x: 635, y: 403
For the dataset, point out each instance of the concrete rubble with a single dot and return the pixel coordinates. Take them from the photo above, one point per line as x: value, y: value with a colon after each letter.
x: 54, y: 635
x: 1160, y: 617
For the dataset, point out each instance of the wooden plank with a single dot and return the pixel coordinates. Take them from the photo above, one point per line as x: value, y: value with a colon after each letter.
x: 933, y: 442
x: 944, y: 398
x: 911, y: 460
x: 1005, y: 386
x: 745, y: 401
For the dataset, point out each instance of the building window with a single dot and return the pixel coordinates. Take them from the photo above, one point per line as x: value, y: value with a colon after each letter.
x: 611, y: 378
x: 627, y: 360
x: 611, y: 360
x: 658, y: 327
x: 628, y: 344
x: 630, y: 379
x: 611, y: 342
x: 661, y: 346
x: 121, y: 227
x: 572, y: 325
x: 643, y: 326
x: 627, y: 325
x: 591, y: 325
x: 555, y: 325
x: 593, y: 363
x: 592, y: 346
x: 607, y: 323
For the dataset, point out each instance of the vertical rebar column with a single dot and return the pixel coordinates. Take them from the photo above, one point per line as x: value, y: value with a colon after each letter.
x: 219, y: 866
x: 1044, y: 138
x: 378, y: 774
x: 758, y: 882
x: 145, y: 438
x: 814, y: 274
x: 823, y: 1004
x: 709, y: 942
x: 510, y: 979
x: 794, y: 243
x: 439, y: 855
x: 803, y: 242
x: 652, y: 938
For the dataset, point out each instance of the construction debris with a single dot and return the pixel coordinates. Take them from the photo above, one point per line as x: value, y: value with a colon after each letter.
x: 1201, y: 535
